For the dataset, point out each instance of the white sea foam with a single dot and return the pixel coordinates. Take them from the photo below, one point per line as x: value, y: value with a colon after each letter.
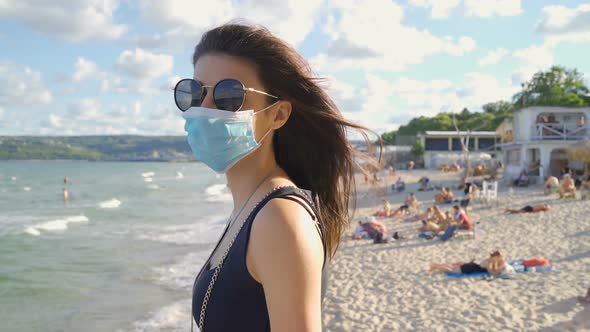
x: 13, y: 178
x: 57, y: 225
x: 179, y: 175
x: 148, y: 179
x: 110, y: 204
x: 174, y: 317
x: 27, y: 188
x: 202, y: 232
x: 148, y: 174
x: 181, y: 274
x: 32, y: 231
x: 154, y: 186
x: 218, y: 193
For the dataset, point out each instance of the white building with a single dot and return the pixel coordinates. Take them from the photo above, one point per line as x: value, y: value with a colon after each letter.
x: 541, y: 135
x: 444, y: 147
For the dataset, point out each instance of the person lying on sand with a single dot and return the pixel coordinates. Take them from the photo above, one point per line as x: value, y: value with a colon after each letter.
x: 495, y: 265
x: 567, y: 186
x: 429, y: 226
x: 530, y: 209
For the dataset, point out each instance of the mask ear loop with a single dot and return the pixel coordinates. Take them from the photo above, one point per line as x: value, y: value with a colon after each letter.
x: 269, y: 130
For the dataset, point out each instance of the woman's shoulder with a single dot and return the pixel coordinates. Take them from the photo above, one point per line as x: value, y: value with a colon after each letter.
x: 283, y: 231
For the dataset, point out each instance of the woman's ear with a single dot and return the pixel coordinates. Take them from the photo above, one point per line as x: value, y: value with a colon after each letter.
x: 281, y: 115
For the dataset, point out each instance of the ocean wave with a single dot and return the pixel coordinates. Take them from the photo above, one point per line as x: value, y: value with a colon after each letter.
x: 27, y: 188
x: 153, y: 186
x: 148, y: 174
x: 179, y: 175
x: 218, y: 193
x: 181, y: 274
x: 110, y: 204
x: 57, y: 225
x: 174, y: 317
x: 148, y: 179
x: 203, y: 232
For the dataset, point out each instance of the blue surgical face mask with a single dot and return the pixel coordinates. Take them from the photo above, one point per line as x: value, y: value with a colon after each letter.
x: 220, y: 138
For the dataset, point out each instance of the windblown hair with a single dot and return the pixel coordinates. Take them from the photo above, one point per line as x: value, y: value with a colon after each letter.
x: 312, y: 146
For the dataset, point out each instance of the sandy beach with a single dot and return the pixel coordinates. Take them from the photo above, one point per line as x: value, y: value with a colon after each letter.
x: 387, y: 287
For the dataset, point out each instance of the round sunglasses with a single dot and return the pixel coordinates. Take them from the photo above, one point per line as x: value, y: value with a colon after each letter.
x: 228, y: 94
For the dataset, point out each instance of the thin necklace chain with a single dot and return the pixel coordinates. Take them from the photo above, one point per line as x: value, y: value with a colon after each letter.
x: 218, y: 267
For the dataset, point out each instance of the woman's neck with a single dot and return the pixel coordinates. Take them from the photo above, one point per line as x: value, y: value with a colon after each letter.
x: 244, y: 178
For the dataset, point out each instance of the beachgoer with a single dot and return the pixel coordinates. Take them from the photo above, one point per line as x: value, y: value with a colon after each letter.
x: 551, y: 183
x: 522, y: 180
x: 494, y: 265
x: 423, y: 183
x: 411, y: 165
x: 400, y: 185
x: 65, y: 180
x: 254, y: 111
x: 566, y: 169
x: 386, y: 211
x: 411, y: 201
x: 568, y: 187
x: 462, y: 218
x: 530, y: 209
x: 66, y: 196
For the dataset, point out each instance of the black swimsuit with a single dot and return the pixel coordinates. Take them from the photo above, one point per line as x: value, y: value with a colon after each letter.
x: 237, y: 302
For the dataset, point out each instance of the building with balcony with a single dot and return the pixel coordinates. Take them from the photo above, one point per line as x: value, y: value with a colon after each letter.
x: 537, y: 137
x: 443, y: 147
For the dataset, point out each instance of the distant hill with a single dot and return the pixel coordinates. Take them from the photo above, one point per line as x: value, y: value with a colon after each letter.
x: 96, y: 148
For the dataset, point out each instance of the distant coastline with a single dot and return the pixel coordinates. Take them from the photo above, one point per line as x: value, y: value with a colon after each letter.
x: 129, y: 148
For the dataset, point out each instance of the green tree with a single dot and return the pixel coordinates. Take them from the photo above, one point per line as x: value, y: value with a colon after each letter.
x: 557, y: 87
x: 389, y: 138
x: 418, y: 149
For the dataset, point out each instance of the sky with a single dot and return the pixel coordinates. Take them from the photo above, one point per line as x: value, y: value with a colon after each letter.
x: 107, y: 67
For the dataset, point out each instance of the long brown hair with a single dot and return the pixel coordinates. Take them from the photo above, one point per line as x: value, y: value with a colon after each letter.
x: 312, y: 146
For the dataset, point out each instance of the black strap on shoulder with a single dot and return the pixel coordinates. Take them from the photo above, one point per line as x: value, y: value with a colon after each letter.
x: 305, y: 196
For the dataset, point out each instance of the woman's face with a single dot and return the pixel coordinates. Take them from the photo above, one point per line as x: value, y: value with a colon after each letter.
x: 212, y: 68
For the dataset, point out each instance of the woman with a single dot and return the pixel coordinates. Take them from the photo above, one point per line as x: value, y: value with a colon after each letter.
x: 494, y: 265
x: 530, y: 209
x: 386, y: 211
x: 254, y: 112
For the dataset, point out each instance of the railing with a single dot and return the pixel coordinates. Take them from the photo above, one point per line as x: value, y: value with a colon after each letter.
x: 556, y: 131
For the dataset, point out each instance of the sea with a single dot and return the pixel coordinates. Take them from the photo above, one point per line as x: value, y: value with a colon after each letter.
x: 121, y: 255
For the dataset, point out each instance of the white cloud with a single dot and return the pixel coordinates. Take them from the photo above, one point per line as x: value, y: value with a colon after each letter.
x: 143, y: 65
x: 72, y: 20
x: 292, y: 20
x: 439, y: 8
x: 490, y: 8
x: 21, y: 86
x: 493, y: 57
x: 89, y: 116
x: 560, y: 23
x: 86, y: 70
x: 478, y: 8
x: 533, y: 59
x: 361, y: 27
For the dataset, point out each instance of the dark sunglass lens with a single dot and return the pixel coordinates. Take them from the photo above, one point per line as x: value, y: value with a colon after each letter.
x: 187, y: 94
x: 229, y: 95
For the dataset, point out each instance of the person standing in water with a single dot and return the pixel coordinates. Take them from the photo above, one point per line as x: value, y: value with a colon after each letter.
x: 254, y: 111
x: 66, y: 196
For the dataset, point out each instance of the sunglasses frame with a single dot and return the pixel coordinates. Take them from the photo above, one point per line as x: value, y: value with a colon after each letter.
x: 203, y: 87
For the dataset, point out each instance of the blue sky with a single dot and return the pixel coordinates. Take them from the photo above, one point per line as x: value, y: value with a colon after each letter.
x: 107, y: 66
